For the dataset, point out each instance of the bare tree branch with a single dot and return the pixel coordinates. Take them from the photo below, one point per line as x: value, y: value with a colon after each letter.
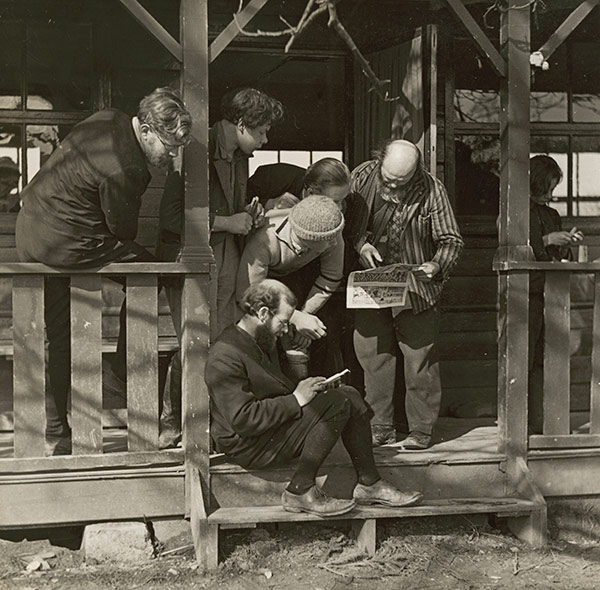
x: 311, y: 11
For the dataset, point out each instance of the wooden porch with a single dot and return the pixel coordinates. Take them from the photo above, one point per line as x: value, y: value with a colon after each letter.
x: 116, y: 471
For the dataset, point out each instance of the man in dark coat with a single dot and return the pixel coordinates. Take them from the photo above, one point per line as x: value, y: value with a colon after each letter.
x: 262, y: 419
x: 81, y: 211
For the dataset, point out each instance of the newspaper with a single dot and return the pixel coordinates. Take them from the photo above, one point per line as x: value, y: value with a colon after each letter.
x: 378, y: 288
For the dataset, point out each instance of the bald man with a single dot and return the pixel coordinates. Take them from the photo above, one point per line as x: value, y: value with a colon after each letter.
x: 409, y: 221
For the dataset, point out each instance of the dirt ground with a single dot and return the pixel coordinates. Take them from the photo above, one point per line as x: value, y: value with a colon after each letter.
x: 457, y: 553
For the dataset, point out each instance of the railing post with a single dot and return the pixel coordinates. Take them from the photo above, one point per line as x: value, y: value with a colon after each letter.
x: 29, y: 365
x: 514, y: 234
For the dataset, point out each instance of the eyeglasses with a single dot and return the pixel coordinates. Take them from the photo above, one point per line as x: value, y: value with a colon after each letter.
x: 284, y: 323
x: 169, y: 147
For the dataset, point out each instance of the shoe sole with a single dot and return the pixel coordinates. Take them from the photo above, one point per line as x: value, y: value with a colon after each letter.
x: 321, y: 514
x: 417, y: 499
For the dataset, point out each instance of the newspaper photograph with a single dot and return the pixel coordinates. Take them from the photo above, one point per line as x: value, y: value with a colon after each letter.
x: 378, y: 288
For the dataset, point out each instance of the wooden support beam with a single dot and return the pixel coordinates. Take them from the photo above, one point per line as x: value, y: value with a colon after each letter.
x: 154, y: 28
x: 570, y: 24
x: 484, y: 44
x: 514, y: 234
x: 595, y: 381
x: 230, y: 32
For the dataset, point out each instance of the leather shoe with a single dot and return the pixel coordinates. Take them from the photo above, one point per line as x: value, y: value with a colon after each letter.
x: 57, y: 445
x: 315, y: 501
x: 416, y: 441
x: 383, y: 434
x: 383, y: 492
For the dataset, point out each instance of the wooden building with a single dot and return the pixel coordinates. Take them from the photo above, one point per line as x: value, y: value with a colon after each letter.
x: 468, y: 93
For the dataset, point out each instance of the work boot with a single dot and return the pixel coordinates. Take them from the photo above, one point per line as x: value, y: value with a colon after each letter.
x: 383, y: 434
x: 416, y: 441
x: 383, y: 492
x: 315, y: 501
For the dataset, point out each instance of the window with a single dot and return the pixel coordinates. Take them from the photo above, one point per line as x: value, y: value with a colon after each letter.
x: 565, y: 124
x: 300, y: 158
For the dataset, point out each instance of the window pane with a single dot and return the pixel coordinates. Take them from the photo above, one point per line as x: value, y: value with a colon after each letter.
x: 297, y: 157
x: 319, y: 155
x: 10, y: 167
x: 42, y: 140
x: 477, y: 183
x: 586, y: 108
x: 586, y: 163
x: 262, y: 157
x: 10, y: 65
x: 481, y: 106
x: 548, y: 106
x: 59, y: 66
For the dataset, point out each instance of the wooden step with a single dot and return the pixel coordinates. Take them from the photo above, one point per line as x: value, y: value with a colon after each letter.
x: 502, y: 507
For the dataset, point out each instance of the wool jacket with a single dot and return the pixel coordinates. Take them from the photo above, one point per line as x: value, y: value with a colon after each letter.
x: 271, y: 253
x: 85, y: 200
x: 249, y: 395
x: 425, y: 220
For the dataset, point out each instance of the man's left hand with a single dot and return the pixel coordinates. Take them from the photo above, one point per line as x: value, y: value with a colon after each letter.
x: 426, y: 271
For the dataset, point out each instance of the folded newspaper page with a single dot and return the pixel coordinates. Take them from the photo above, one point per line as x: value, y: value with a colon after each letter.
x: 378, y: 288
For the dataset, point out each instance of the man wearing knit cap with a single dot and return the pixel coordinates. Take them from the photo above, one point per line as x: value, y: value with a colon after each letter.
x: 312, y: 229
x: 410, y: 221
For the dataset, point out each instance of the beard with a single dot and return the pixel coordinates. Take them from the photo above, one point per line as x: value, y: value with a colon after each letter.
x: 265, y: 339
x: 392, y: 195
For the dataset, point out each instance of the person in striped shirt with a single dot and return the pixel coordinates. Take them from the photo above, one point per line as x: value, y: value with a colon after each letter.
x: 409, y: 221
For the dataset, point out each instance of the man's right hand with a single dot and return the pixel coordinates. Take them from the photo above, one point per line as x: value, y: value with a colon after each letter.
x: 370, y: 256
x: 285, y: 201
x: 308, y: 325
x: 307, y: 389
x: 240, y: 223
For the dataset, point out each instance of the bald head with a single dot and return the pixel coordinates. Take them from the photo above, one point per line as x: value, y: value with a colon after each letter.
x: 400, y: 162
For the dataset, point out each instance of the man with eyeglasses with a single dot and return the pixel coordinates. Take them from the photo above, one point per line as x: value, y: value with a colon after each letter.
x: 81, y: 211
x: 409, y: 221
x: 261, y: 419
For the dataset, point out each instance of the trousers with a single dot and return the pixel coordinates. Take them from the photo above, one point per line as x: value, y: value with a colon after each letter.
x: 378, y: 337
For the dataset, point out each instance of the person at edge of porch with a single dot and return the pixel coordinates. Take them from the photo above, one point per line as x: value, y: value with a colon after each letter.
x: 81, y: 211
x: 281, y: 186
x: 246, y: 117
x: 261, y: 419
x: 410, y: 221
x: 310, y: 230
x: 549, y: 242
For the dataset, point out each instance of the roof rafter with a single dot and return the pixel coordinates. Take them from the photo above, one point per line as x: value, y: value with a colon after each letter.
x: 231, y: 31
x: 486, y: 46
x: 571, y: 23
x: 154, y: 28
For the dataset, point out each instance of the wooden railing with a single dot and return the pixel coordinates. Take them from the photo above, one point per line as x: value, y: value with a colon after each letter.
x: 561, y: 280
x: 29, y: 364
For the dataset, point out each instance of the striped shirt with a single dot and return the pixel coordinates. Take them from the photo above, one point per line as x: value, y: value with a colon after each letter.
x: 424, y: 222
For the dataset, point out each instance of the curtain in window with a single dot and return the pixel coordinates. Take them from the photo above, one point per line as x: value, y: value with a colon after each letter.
x: 376, y: 120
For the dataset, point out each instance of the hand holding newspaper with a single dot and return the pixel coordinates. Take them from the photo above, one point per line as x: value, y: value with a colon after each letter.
x: 379, y: 288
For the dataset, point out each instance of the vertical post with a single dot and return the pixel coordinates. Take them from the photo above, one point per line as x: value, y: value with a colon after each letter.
x: 195, y: 298
x: 513, y: 287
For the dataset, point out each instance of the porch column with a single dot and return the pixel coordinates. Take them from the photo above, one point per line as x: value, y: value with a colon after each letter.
x: 513, y: 287
x: 196, y: 250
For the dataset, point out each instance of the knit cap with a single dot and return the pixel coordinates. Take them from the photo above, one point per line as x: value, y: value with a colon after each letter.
x: 316, y: 219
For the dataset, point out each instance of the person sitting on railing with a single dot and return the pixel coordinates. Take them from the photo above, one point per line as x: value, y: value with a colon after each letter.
x: 261, y: 419
x: 81, y: 211
x: 549, y: 242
